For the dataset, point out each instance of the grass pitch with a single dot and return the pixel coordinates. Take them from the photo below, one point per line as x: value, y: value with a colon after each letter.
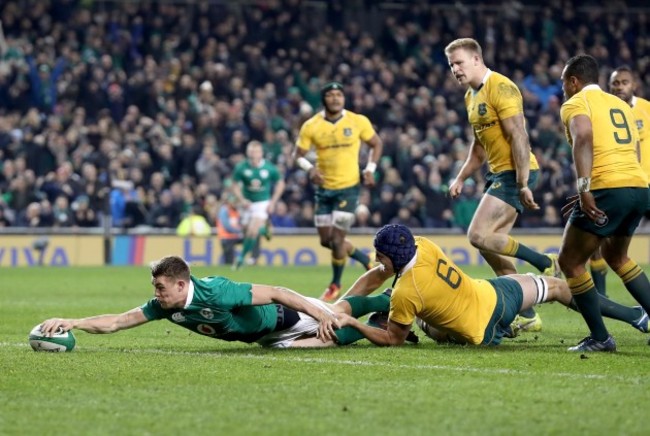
x: 162, y: 379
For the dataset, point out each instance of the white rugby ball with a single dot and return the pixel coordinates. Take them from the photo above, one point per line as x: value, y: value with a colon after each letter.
x: 60, y: 341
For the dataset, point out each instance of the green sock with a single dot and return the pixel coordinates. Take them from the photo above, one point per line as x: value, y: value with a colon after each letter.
x: 248, y: 245
x: 262, y: 232
x: 338, y: 265
x: 528, y: 313
x: 360, y: 257
x: 364, y: 305
x: 614, y: 310
x: 640, y: 290
x: 589, y: 307
x: 600, y: 280
x: 347, y: 335
x: 538, y: 260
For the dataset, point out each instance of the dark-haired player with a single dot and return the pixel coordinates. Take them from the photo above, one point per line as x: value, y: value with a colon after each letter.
x: 623, y: 85
x: 613, y: 194
x: 336, y: 135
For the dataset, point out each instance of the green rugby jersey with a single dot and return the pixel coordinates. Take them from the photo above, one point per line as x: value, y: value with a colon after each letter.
x: 219, y: 308
x: 256, y: 182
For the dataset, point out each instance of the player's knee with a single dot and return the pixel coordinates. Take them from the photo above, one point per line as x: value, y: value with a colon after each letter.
x: 476, y: 239
x: 326, y: 242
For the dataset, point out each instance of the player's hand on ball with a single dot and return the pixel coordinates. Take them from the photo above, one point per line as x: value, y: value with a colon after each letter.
x: 51, y: 326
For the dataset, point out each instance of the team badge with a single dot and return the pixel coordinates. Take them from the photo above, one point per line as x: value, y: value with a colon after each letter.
x: 206, y: 313
x: 264, y: 174
x: 347, y: 132
x: 205, y: 329
x: 639, y: 124
x: 496, y: 185
x: 482, y: 109
x: 602, y: 221
x: 178, y: 317
x: 343, y: 203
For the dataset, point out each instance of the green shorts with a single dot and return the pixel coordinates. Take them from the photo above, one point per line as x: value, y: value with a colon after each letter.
x: 329, y: 200
x: 510, y: 297
x: 624, y: 208
x: 503, y: 186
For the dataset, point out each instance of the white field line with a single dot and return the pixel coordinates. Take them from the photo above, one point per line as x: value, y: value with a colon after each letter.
x: 318, y: 360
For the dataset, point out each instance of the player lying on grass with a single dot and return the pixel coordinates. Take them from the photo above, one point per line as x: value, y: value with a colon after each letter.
x: 272, y: 316
x: 450, y: 305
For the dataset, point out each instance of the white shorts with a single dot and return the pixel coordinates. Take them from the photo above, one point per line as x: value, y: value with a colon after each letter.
x: 307, y: 326
x: 258, y: 210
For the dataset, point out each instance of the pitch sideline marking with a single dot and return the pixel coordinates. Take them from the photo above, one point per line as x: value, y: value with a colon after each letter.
x: 220, y: 355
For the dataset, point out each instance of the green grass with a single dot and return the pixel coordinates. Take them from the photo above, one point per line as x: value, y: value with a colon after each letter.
x: 160, y: 379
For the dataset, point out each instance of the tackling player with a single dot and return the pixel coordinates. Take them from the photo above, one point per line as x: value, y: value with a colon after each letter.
x: 450, y: 306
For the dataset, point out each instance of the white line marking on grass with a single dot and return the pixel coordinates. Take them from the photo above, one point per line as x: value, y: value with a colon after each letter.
x: 266, y: 357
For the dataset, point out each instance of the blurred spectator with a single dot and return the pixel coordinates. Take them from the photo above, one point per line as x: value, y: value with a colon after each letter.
x: 92, y: 92
x: 280, y: 218
x: 229, y: 229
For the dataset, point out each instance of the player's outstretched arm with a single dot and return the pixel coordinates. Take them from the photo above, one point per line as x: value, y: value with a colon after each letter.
x: 96, y: 324
x: 370, y: 281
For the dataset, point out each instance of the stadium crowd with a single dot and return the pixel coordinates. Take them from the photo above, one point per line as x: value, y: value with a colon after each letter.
x: 142, y: 109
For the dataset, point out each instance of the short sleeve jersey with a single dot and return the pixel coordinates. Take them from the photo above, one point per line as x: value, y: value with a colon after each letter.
x: 220, y: 308
x: 615, y: 162
x: 337, y: 146
x: 437, y: 291
x: 498, y: 98
x: 256, y: 182
x: 641, y: 110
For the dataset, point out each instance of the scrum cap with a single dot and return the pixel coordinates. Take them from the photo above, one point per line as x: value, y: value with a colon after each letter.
x: 329, y: 87
x: 396, y: 242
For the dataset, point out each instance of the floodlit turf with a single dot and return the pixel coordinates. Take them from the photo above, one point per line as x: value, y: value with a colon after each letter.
x: 160, y: 379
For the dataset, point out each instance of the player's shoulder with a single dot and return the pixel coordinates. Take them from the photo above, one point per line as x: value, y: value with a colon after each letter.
x: 499, y: 85
x: 315, y: 119
x: 240, y: 166
x: 356, y: 117
x: 496, y: 78
x: 642, y: 103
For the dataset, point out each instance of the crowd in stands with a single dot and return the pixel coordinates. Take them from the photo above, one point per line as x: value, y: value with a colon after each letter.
x: 142, y: 109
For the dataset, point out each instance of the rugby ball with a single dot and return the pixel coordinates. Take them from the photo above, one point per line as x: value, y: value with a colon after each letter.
x: 60, y: 341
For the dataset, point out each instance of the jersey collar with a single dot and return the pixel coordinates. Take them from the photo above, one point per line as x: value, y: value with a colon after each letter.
x: 591, y: 87
x: 484, y: 81
x: 322, y: 114
x: 633, y: 101
x: 409, y: 265
x: 190, y: 294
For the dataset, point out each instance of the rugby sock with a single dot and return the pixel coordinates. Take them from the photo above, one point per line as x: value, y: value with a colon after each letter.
x: 520, y: 251
x: 614, y: 310
x: 528, y: 313
x: 636, y: 283
x: 599, y: 273
x: 585, y: 296
x: 347, y: 335
x: 364, y: 305
x: 337, y: 270
x: 360, y: 257
x: 248, y: 245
